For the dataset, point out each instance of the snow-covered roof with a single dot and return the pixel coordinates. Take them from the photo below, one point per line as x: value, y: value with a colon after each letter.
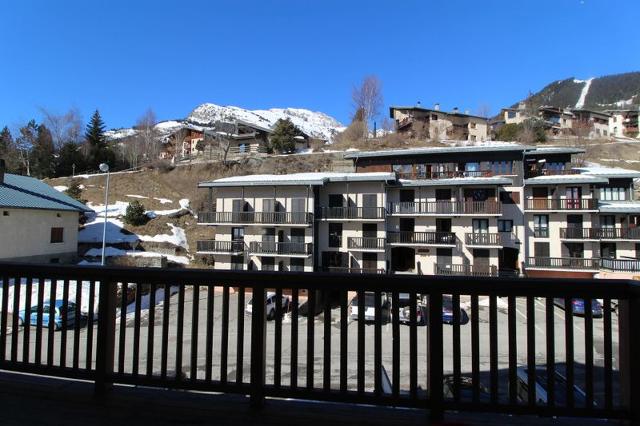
x: 502, y: 146
x: 541, y: 150
x: 297, y: 179
x: 565, y: 179
x: 610, y: 172
x: 465, y: 181
x: 619, y: 207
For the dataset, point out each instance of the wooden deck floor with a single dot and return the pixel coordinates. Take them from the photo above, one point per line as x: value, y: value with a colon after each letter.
x: 31, y: 400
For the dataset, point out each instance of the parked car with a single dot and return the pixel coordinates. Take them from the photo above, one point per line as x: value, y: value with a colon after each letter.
x: 369, y: 307
x: 466, y: 389
x: 270, y: 305
x: 560, y: 388
x: 421, y: 310
x: 57, y: 320
x: 578, y: 307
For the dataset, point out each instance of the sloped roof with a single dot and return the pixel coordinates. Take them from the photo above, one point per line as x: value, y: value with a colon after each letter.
x: 565, y: 179
x: 29, y: 193
x: 436, y: 150
x: 299, y: 179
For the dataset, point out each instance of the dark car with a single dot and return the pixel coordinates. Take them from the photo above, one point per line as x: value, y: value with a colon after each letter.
x: 421, y: 311
x: 578, y: 306
x: 466, y: 389
x: 560, y: 388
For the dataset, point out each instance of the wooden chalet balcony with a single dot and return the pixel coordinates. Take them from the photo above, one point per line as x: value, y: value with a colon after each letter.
x: 454, y: 208
x: 281, y: 248
x: 446, y: 174
x: 352, y: 213
x: 256, y: 218
x: 465, y: 270
x: 483, y: 239
x: 194, y: 330
x: 225, y: 247
x: 561, y: 204
x: 366, y: 243
x: 571, y: 263
x: 421, y: 238
x: 620, y: 265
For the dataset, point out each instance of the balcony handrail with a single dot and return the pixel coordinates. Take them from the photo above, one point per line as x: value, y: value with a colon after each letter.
x: 352, y: 213
x: 370, y: 243
x: 563, y: 262
x: 446, y: 207
x: 193, y: 306
x: 622, y: 265
x: 449, y: 174
x: 294, y: 218
x: 561, y: 204
x: 281, y: 247
x: 483, y: 238
x: 232, y: 246
x: 428, y: 237
x: 600, y: 233
x: 465, y: 270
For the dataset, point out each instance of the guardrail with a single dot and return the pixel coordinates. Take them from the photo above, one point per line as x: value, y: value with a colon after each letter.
x: 561, y: 204
x: 445, y: 175
x: 352, y: 213
x: 622, y: 265
x: 563, y: 263
x: 215, y: 246
x: 483, y: 239
x: 601, y: 233
x: 285, y: 218
x: 445, y: 207
x: 113, y: 329
x: 283, y: 248
x: 366, y: 243
x: 425, y: 238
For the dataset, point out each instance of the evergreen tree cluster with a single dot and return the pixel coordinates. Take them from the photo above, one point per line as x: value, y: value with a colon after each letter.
x: 283, y: 138
x: 33, y: 152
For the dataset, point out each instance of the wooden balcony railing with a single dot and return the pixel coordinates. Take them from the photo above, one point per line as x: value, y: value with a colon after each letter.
x: 483, y: 239
x: 366, y: 243
x: 445, y: 207
x: 561, y: 204
x: 621, y: 265
x: 563, y: 263
x: 551, y: 172
x: 283, y: 248
x: 285, y: 218
x: 426, y: 238
x: 466, y: 270
x: 187, y: 329
x: 445, y: 175
x: 214, y: 246
x: 352, y: 213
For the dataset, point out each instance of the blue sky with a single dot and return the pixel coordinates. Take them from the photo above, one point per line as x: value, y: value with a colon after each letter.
x: 123, y: 57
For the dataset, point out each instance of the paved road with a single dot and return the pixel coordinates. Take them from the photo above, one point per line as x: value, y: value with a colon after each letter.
x: 540, y: 349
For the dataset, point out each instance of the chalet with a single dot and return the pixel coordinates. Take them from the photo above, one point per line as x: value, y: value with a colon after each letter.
x: 37, y: 223
x: 416, y: 121
x: 623, y: 122
x: 596, y: 123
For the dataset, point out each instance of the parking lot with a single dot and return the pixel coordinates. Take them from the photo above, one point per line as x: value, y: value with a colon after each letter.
x: 465, y: 333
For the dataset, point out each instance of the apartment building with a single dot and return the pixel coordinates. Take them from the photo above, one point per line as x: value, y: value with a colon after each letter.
x: 623, y: 122
x: 420, y: 122
x: 476, y: 210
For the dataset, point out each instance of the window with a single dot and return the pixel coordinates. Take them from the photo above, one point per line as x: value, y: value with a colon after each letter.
x: 507, y: 197
x: 57, y: 235
x: 5, y: 213
x: 472, y: 167
x: 335, y: 234
x: 472, y: 125
x: 505, y: 225
x: 613, y: 194
x: 480, y: 226
x: 296, y: 265
x: 268, y: 263
x: 237, y: 234
x: 511, y: 114
x: 237, y: 262
x: 434, y: 117
x: 541, y: 225
x: 608, y: 250
x: 501, y: 167
x: 607, y: 221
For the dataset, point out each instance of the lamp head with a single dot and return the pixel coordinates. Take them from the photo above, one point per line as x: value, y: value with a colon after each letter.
x: 104, y: 167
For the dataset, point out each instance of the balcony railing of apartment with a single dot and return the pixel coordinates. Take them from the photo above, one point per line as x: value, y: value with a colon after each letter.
x: 446, y: 207
x: 335, y: 241
x: 621, y: 265
x: 483, y: 239
x: 563, y: 263
x: 214, y: 246
x: 366, y: 243
x: 285, y: 218
x: 562, y: 204
x: 551, y: 172
x: 426, y: 238
x: 285, y: 248
x: 466, y: 270
x: 357, y: 213
x: 600, y: 233
x: 541, y: 232
x: 181, y: 343
x: 348, y: 270
x: 445, y: 175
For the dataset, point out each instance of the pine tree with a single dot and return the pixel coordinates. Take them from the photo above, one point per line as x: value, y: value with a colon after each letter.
x: 42, y: 153
x: 99, y: 152
x: 283, y: 138
x: 68, y: 157
x: 6, y: 140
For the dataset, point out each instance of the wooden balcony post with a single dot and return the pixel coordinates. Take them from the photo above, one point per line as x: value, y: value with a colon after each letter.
x: 434, y: 356
x: 629, y: 337
x: 258, y: 347
x: 105, y: 343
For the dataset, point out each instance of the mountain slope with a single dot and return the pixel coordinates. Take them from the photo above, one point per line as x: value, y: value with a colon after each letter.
x: 607, y: 92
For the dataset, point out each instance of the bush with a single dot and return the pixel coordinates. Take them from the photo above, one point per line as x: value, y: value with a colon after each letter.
x: 74, y: 191
x: 135, y: 214
x: 508, y: 132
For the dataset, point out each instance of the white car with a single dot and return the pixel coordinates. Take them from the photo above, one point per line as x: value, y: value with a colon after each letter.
x: 369, y: 307
x: 270, y: 305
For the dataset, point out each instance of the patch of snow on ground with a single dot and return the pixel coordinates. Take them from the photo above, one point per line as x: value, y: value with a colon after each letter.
x: 177, y: 237
x: 113, y: 252
x: 163, y: 200
x: 583, y: 94
x: 61, y: 188
x: 136, y: 196
x: 92, y: 232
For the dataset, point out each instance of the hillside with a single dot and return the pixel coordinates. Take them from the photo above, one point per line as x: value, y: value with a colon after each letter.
x: 608, y: 92
x: 313, y: 123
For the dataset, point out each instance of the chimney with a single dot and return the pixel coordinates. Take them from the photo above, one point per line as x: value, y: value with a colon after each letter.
x: 2, y: 169
x: 436, y: 106
x: 455, y: 110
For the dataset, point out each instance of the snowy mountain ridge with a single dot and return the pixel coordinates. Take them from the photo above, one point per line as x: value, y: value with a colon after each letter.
x: 313, y: 123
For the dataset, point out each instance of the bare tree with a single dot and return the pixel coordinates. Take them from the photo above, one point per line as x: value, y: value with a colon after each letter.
x: 148, y: 135
x: 484, y: 110
x: 65, y: 127
x: 368, y: 98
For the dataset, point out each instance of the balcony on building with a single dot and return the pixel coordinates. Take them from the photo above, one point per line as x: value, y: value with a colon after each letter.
x: 281, y: 249
x: 366, y: 244
x: 604, y: 234
x: 465, y: 270
x: 561, y: 204
x: 483, y: 239
x: 446, y: 208
x: 354, y: 270
x: 563, y: 263
x: 422, y: 239
x: 220, y: 247
x: 255, y: 218
x: 620, y: 265
x: 352, y: 213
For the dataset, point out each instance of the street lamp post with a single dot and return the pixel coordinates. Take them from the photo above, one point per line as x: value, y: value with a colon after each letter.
x: 104, y: 167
